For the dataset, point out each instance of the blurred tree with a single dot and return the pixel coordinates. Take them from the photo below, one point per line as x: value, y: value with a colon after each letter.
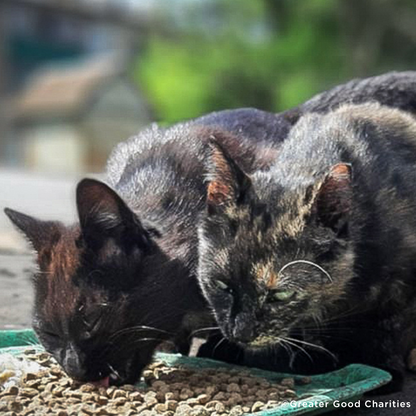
x: 269, y: 54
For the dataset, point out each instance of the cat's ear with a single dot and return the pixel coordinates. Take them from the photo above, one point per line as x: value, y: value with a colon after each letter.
x: 227, y: 183
x: 103, y: 214
x: 42, y: 235
x: 333, y: 199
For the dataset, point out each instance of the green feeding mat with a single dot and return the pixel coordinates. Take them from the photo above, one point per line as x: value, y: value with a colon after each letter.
x: 347, y: 384
x: 16, y: 338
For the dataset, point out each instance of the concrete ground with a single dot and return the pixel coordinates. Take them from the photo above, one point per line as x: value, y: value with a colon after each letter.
x: 40, y: 196
x: 53, y: 198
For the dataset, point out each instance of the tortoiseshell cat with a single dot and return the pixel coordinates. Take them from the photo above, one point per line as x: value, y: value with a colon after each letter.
x: 110, y: 288
x: 114, y: 286
x: 315, y: 259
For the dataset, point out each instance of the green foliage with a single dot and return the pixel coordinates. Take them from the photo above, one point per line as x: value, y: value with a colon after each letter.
x: 269, y: 54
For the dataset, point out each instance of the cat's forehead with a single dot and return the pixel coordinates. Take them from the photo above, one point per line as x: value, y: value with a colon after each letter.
x: 65, y: 255
x: 272, y: 236
x: 56, y: 280
x: 265, y: 274
x: 62, y: 298
x: 273, y: 216
x: 261, y: 248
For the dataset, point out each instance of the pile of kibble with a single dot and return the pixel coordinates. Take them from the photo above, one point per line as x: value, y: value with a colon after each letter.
x: 170, y: 391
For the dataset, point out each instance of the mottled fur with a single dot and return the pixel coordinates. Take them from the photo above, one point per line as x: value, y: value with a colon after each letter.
x: 114, y: 286
x: 321, y: 248
x: 130, y: 262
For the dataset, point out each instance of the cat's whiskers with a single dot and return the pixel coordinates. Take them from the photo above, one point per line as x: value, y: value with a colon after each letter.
x: 150, y: 328
x: 321, y: 333
x: 138, y: 329
x: 113, y: 349
x: 310, y: 344
x: 207, y: 329
x: 317, y: 319
x: 218, y: 344
x: 114, y: 371
x: 130, y: 341
x: 151, y: 339
x: 127, y: 337
x: 352, y: 312
x: 311, y: 263
x: 288, y: 347
x: 289, y: 341
x: 306, y: 330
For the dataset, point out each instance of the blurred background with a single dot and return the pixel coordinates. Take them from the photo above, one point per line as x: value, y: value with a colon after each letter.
x: 78, y: 76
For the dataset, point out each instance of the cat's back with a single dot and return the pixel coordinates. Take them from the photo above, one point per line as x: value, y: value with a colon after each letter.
x: 391, y: 129
x: 164, y: 170
x: 380, y: 142
x: 367, y: 135
x: 136, y: 150
x: 249, y: 135
x: 158, y: 165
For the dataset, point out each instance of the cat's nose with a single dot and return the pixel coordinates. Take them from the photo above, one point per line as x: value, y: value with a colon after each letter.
x: 243, y: 329
x: 73, y: 364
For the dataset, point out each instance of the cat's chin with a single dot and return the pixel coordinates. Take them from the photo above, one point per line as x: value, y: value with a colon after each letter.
x: 262, y: 342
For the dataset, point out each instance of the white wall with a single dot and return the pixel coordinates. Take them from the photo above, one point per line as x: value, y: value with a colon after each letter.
x: 54, y: 148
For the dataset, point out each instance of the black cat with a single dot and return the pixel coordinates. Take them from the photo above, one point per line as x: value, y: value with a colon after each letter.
x: 110, y: 288
x: 315, y: 259
x: 114, y: 286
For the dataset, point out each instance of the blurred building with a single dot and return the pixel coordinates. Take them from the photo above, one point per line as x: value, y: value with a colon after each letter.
x: 62, y: 105
x: 34, y: 32
x: 69, y: 116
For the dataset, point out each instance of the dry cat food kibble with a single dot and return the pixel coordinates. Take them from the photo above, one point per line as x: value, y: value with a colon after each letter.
x: 170, y: 391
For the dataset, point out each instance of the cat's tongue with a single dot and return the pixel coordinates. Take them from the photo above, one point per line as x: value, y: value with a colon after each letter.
x: 105, y: 382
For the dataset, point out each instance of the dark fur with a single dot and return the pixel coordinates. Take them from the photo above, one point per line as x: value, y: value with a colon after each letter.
x: 130, y: 263
x: 114, y: 286
x: 341, y: 197
x: 394, y: 89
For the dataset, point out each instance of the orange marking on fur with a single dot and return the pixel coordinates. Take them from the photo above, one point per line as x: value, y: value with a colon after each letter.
x: 220, y: 163
x: 220, y: 188
x: 272, y: 280
x: 335, y: 191
x: 218, y: 192
x: 62, y: 292
x: 341, y: 170
x: 264, y: 274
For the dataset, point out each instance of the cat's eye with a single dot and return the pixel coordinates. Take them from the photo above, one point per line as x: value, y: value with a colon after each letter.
x: 284, y: 295
x: 222, y: 285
